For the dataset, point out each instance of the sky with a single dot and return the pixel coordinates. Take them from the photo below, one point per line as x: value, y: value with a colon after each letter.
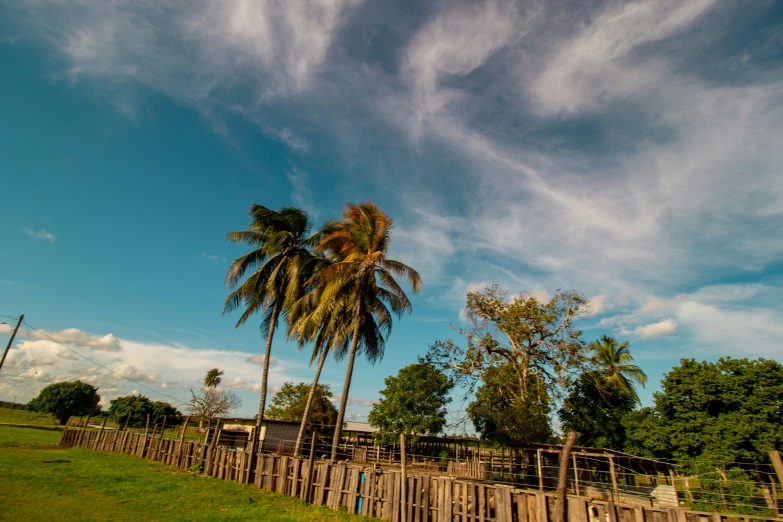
x: 630, y: 151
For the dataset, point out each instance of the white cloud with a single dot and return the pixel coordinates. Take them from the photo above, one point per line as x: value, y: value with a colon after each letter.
x: 294, y: 142
x: 77, y: 337
x: 237, y: 383
x: 213, y: 257
x: 259, y: 360
x: 40, y: 234
x: 168, y: 385
x: 664, y: 327
x: 599, y: 305
x: 595, y: 65
x: 128, y: 371
x: 476, y: 286
x: 302, y: 195
x: 653, y: 304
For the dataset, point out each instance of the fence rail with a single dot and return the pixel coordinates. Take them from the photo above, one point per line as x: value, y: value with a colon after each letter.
x: 375, y: 492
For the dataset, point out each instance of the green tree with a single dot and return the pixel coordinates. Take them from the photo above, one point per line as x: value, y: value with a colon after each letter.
x: 728, y: 411
x: 139, y: 407
x: 64, y: 399
x: 331, y: 335
x: 214, y: 378
x: 499, y: 415
x: 414, y: 403
x: 361, y: 282
x: 279, y: 262
x: 614, y: 370
x: 524, y: 351
x: 596, y: 412
x: 289, y: 404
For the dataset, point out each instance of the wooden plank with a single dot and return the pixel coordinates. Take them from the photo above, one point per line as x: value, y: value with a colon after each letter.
x: 448, y: 502
x: 521, y: 504
x: 425, y: 494
x: 417, y: 485
x: 411, y: 500
x: 639, y: 514
x: 397, y: 486
x: 369, y: 501
x: 541, y: 508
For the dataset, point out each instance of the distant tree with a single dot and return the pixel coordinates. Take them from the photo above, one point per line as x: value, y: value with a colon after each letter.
x: 728, y: 411
x: 614, y: 368
x: 213, y: 378
x: 413, y: 403
x: 139, y: 407
x: 290, y: 402
x: 64, y: 399
x: 499, y: 415
x: 211, y: 402
x: 595, y: 411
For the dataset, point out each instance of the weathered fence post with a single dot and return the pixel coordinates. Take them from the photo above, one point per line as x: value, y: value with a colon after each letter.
x: 777, y: 463
x: 63, y: 433
x: 147, y: 426
x: 562, y: 479
x: 81, y: 433
x: 100, y: 433
x: 126, y: 422
x: 182, y: 440
x: 310, y: 462
x: 162, y: 428
x: 404, y: 482
x: 615, y: 491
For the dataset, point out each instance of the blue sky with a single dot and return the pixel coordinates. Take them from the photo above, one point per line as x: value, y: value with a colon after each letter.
x: 629, y: 151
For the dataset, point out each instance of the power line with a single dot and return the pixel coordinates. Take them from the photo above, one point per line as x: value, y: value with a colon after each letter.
x: 44, y: 334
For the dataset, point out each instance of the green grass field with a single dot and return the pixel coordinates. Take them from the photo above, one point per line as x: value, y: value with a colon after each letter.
x: 41, y: 482
x: 9, y: 416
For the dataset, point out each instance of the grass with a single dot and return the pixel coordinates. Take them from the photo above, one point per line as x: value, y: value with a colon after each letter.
x: 13, y: 416
x: 42, y: 482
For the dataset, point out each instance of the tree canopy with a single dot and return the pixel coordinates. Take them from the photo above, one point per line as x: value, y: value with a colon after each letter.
x: 413, y: 403
x: 289, y: 404
x: 498, y: 417
x: 139, y: 407
x: 729, y: 411
x: 595, y: 411
x: 523, y: 352
x: 64, y: 399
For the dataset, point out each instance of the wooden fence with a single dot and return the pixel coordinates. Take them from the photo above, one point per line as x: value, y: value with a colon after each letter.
x: 374, y: 491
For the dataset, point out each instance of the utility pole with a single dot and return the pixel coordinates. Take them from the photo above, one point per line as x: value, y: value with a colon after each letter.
x: 11, y: 340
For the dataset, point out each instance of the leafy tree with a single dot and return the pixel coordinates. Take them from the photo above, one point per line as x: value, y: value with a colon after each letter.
x: 537, y: 344
x: 289, y: 404
x: 64, y: 399
x: 614, y: 370
x: 362, y: 283
x: 413, y: 403
x: 279, y: 262
x: 139, y: 407
x: 595, y: 411
x: 500, y: 417
x: 728, y: 411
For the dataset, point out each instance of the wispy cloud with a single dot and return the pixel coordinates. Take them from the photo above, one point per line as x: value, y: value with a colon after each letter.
x: 40, y: 234
x: 302, y: 195
x: 213, y: 257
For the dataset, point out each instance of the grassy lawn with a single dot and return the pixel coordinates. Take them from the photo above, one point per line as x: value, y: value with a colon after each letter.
x: 41, y: 482
x: 10, y: 416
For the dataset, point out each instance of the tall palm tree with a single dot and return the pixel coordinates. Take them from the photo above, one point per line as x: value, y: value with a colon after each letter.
x: 361, y: 283
x: 613, y: 362
x: 280, y: 261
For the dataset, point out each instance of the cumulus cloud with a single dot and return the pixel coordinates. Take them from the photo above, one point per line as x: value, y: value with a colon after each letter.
x: 40, y: 234
x: 75, y: 336
x: 599, y: 305
x: 128, y: 371
x: 259, y: 360
x: 664, y: 327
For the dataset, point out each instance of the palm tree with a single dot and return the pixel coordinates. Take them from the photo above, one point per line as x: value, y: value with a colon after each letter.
x: 360, y: 284
x: 213, y: 378
x: 280, y: 260
x: 614, y: 366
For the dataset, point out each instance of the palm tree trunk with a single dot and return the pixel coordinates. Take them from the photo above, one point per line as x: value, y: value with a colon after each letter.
x: 306, y: 414
x: 267, y: 354
x: 338, y: 429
